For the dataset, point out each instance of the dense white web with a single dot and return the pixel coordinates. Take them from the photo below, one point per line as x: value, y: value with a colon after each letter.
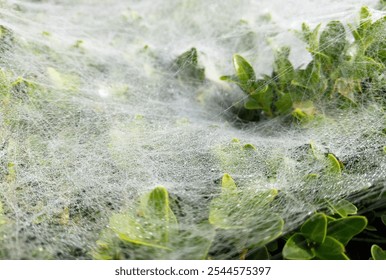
x: 101, y: 115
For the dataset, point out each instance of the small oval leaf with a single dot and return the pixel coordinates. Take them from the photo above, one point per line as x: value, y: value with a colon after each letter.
x: 315, y: 228
x: 377, y: 253
x: 228, y: 183
x: 244, y: 71
x: 296, y: 248
x: 346, y: 228
x: 329, y: 249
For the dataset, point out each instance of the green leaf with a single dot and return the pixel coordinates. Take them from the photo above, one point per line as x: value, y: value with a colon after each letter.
x: 249, y: 147
x: 258, y: 254
x: 261, y: 99
x: 371, y: 228
x: 187, y: 58
x: 315, y: 228
x: 347, y: 87
x: 314, y: 151
x: 346, y: 228
x: 374, y: 42
x: 334, y: 165
x: 150, y: 230
x: 365, y: 17
x: 228, y: 184
x: 193, y: 242
x: 151, y: 224
x: 284, y: 71
x: 267, y: 229
x: 130, y: 229
x: 383, y: 218
x: 252, y: 104
x: 155, y: 208
x: 157, y: 205
x: 62, y: 80
x: 343, y: 208
x: 329, y: 248
x: 239, y: 209
x: 377, y: 253
x: 244, y: 72
x: 284, y: 104
x: 311, y: 80
x: 303, y: 111
x: 231, y: 79
x: 364, y: 23
x: 332, y: 41
x: 187, y: 66
x: 233, y: 157
x: 311, y: 37
x: 382, y: 4
x: 341, y: 257
x: 272, y: 246
x: 245, y: 75
x: 363, y: 66
x: 296, y: 248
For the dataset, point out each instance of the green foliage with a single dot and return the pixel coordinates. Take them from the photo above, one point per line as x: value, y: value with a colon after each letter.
x: 335, y: 167
x: 236, y: 209
x: 315, y: 228
x: 259, y: 96
x: 332, y: 41
x: 324, y: 237
x: 150, y: 230
x: 338, y: 69
x: 187, y: 67
x: 383, y: 218
x: 330, y: 249
x: 344, y: 229
x: 382, y: 4
x: 63, y: 80
x: 343, y: 208
x: 244, y: 73
x: 234, y: 156
x: 296, y: 248
x: 377, y: 253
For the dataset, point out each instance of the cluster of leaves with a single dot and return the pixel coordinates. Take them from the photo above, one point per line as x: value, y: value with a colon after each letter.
x: 330, y: 236
x: 339, y: 69
x: 242, y: 217
x: 325, y: 237
x: 345, y: 71
x: 13, y: 92
x: 371, y: 204
x: 151, y: 229
x: 243, y: 220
